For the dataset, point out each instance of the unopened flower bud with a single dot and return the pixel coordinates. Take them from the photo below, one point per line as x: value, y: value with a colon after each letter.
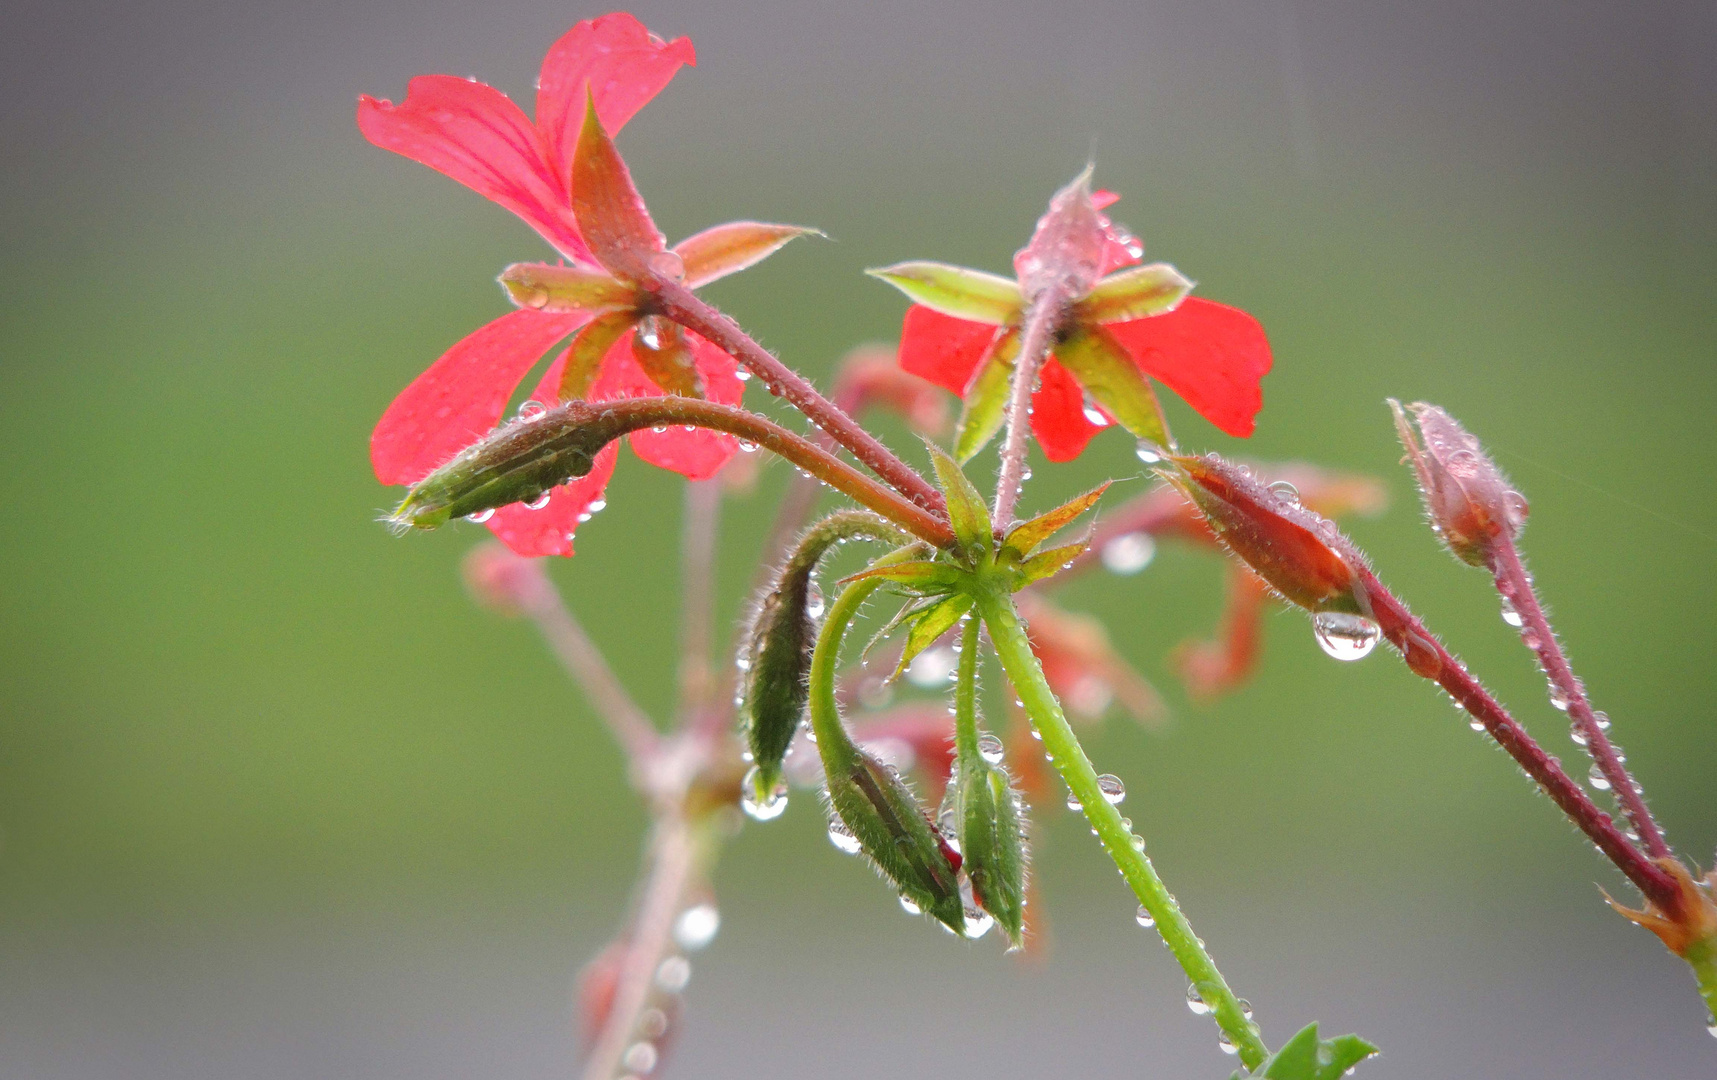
x: 1300, y: 553
x: 1066, y: 251
x: 1469, y: 501
x: 498, y: 579
x: 890, y: 825
x: 992, y: 843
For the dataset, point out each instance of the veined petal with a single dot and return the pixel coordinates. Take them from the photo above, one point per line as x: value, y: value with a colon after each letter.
x: 479, y: 137
x: 941, y: 348
x: 610, y: 212
x: 1108, y: 374
x: 697, y: 454
x: 548, y: 529
x: 462, y: 395
x: 558, y: 290
x: 956, y: 291
x: 1134, y: 294
x: 727, y: 249
x: 1213, y: 355
x: 623, y: 64
x: 1058, y: 414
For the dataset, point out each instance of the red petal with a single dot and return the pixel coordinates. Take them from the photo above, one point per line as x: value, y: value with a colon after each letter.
x: 475, y: 134
x: 697, y: 454
x: 1058, y: 414
x: 1116, y: 253
x: 941, y: 348
x: 462, y: 395
x: 624, y: 64
x: 548, y: 530
x: 1212, y: 355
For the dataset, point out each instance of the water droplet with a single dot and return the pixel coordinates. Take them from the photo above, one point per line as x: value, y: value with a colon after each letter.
x: 1515, y: 503
x: 1225, y: 1044
x: 480, y: 516
x: 539, y: 502
x: 1711, y: 1029
x: 1286, y: 493
x: 978, y: 923
x: 747, y: 446
x: 1093, y: 415
x: 1558, y: 699
x: 842, y: 837
x: 596, y: 506
x: 765, y: 805
x: 640, y: 1058
x: 1476, y: 724
x: 1245, y: 1008
x: 1143, y: 918
x: 742, y: 375
x: 652, y: 1023
x: 1595, y: 776
x: 673, y: 974
x: 1073, y: 803
x: 1138, y: 842
x: 669, y: 265
x: 743, y: 662
x: 814, y: 601
x: 1129, y: 553
x: 660, y: 429
x: 649, y: 334
x: 1344, y: 636
x: 990, y: 748
x: 1195, y: 1002
x: 1602, y: 720
x: 1112, y: 788
x: 1578, y: 735
x: 932, y: 668
x: 1510, y: 615
x: 1149, y: 452
x: 1529, y: 638
x: 907, y: 905
x: 532, y: 410
x: 696, y: 926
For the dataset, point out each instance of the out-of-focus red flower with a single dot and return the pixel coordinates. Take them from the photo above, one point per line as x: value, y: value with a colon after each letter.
x: 1082, y: 666
x: 964, y: 330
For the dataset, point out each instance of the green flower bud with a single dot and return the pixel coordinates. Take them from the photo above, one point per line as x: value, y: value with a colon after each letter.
x: 892, y: 827
x: 992, y: 843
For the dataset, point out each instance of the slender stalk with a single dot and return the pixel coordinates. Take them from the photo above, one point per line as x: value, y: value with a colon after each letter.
x: 1039, y: 329
x: 966, y: 694
x: 1008, y: 637
x: 1515, y: 585
x: 1702, y: 957
x: 1427, y: 658
x: 833, y: 742
x: 584, y: 662
x: 680, y: 304
x: 697, y: 595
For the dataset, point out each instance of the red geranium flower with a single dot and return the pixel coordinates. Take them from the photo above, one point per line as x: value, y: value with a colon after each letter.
x: 1125, y: 329
x: 593, y: 80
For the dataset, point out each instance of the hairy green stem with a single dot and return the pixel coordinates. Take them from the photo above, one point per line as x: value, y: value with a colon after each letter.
x: 966, y: 695
x: 1008, y: 637
x: 833, y: 742
x: 1702, y: 957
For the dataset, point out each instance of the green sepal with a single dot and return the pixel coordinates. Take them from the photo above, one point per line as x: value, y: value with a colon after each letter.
x: 1025, y: 537
x: 967, y: 514
x: 1109, y: 375
x: 1049, y: 563
x: 985, y: 406
x: 727, y: 249
x: 1135, y: 293
x: 921, y: 574
x: 589, y: 346
x: 992, y: 843
x: 932, y: 624
x: 956, y: 291
x: 1307, y: 1057
x: 559, y: 290
x: 891, y: 827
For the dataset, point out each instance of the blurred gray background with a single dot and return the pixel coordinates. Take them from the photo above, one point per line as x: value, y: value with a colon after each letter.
x: 276, y: 800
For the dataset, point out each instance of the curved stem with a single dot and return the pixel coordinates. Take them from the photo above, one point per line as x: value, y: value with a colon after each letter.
x: 679, y: 304
x: 1040, y: 325
x: 1008, y: 637
x: 1515, y: 584
x: 833, y: 743
x: 966, y: 695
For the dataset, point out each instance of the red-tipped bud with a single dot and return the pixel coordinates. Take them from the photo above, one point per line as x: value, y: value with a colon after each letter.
x: 1300, y: 553
x: 1469, y: 501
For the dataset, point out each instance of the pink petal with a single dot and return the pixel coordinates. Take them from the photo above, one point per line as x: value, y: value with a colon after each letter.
x: 941, y: 348
x: 549, y: 529
x: 1116, y: 252
x: 475, y: 134
x: 462, y: 395
x: 1058, y: 414
x: 697, y: 454
x: 625, y: 66
x: 1213, y: 355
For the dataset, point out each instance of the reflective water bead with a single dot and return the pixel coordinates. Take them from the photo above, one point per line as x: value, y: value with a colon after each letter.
x: 990, y: 748
x: 842, y: 837
x: 531, y: 410
x: 1344, y: 636
x: 1144, y: 919
x: 1073, y: 803
x: 673, y: 974
x: 480, y: 516
x: 1128, y: 553
x: 596, y: 506
x: 660, y: 429
x: 907, y: 905
x: 538, y: 503
x: 696, y: 926
x: 1558, y: 699
x: 1245, y: 1008
x: 1476, y: 724
x: 1195, y: 1002
x: 932, y: 668
x: 814, y: 601
x: 1512, y: 615
x: 762, y: 806
x: 1225, y: 1044
x: 652, y: 1023
x: 1595, y: 776
x: 1149, y: 452
x: 1113, y: 790
x: 978, y: 923
x: 747, y: 446
x: 669, y: 265
x: 742, y: 375
x: 1579, y: 736
x: 640, y: 1057
x: 1602, y: 720
x: 1285, y: 493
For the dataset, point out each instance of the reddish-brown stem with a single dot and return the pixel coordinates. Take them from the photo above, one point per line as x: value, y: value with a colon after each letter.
x: 1515, y: 585
x: 679, y: 304
x: 1041, y: 321
x: 1427, y: 658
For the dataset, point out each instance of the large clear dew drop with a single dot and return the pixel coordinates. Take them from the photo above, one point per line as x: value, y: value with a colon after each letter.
x: 1195, y: 1001
x: 843, y: 838
x: 1113, y: 790
x: 762, y: 805
x: 1344, y: 636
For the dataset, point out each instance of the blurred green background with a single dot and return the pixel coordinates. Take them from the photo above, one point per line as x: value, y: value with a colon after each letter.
x: 276, y: 799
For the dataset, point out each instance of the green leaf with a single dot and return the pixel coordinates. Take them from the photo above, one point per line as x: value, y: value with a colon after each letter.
x: 986, y: 403
x: 1048, y: 563
x: 956, y: 291
x: 992, y: 843
x: 931, y: 625
x: 967, y: 514
x: 1134, y: 294
x: 1025, y: 537
x: 559, y: 290
x: 1307, y: 1057
x: 727, y: 249
x: 1109, y: 375
x: 892, y: 828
